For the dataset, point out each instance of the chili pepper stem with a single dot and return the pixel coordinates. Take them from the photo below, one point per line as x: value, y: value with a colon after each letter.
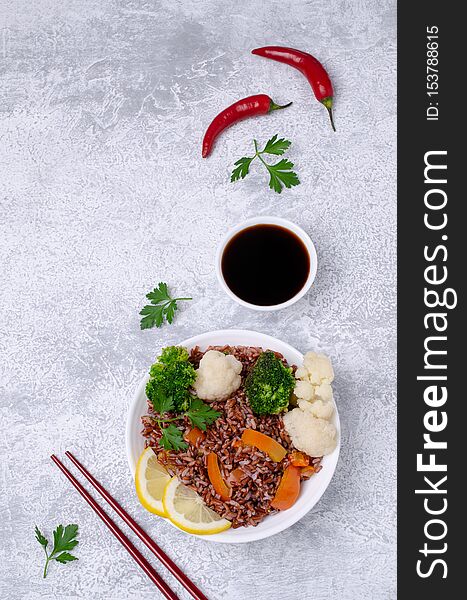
x: 328, y: 104
x: 331, y: 119
x: 274, y: 106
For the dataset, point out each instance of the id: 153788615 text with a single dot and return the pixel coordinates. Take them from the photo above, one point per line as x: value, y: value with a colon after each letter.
x: 432, y: 73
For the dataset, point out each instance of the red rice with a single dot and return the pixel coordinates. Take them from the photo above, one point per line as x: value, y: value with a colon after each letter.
x: 252, y: 495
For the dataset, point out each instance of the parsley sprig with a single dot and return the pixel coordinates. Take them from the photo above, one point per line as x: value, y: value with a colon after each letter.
x: 162, y: 306
x: 199, y: 414
x: 280, y: 174
x: 64, y: 540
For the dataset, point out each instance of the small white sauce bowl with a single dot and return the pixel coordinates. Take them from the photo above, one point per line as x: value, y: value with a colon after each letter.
x: 298, y: 231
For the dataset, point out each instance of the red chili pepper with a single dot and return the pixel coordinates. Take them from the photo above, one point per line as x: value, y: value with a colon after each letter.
x: 309, y: 66
x: 260, y: 104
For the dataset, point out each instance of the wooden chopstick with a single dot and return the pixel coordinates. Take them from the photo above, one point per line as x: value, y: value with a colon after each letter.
x: 118, y: 533
x: 143, y: 536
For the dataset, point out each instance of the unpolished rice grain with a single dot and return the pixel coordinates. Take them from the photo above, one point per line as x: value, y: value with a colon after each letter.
x: 252, y: 495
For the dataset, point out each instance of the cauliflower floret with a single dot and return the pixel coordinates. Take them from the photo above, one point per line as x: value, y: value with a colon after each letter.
x: 314, y: 382
x: 301, y: 373
x: 309, y: 434
x: 318, y: 408
x: 319, y: 368
x: 218, y: 376
x: 304, y: 390
x: 308, y: 425
x: 324, y: 392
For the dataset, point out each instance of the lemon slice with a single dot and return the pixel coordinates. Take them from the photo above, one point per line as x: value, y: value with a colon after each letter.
x: 187, y: 510
x: 150, y: 481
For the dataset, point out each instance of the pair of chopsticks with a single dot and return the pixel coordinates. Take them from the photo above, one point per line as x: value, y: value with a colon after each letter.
x: 133, y: 525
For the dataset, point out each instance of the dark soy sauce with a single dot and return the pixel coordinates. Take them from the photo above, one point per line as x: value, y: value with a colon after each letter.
x: 265, y: 264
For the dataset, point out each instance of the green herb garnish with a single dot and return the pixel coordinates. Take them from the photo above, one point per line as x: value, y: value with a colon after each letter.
x: 198, y: 412
x: 162, y: 306
x: 64, y: 540
x: 172, y: 438
x: 168, y: 390
x: 201, y: 414
x: 161, y: 402
x: 280, y: 174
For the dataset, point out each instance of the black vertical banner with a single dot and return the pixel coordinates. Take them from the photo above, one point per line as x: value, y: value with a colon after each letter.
x: 431, y: 324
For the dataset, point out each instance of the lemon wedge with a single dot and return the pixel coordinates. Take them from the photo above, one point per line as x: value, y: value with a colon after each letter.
x: 187, y: 510
x: 150, y: 481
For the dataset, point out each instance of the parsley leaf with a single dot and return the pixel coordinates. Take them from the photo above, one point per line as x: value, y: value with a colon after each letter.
x: 65, y: 557
x: 280, y: 174
x: 64, y: 540
x: 40, y: 538
x: 161, y: 402
x: 201, y: 414
x: 243, y: 168
x: 170, y: 312
x: 172, y: 438
x: 162, y: 306
x: 154, y: 316
x: 276, y: 146
x: 159, y: 294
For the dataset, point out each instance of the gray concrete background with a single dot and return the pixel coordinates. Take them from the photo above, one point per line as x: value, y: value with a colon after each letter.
x: 103, y: 193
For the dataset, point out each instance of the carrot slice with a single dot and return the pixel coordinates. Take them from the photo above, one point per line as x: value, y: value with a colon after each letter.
x: 237, y: 475
x: 299, y: 459
x: 263, y: 442
x: 288, y: 490
x: 195, y: 436
x: 307, y: 472
x: 215, y: 477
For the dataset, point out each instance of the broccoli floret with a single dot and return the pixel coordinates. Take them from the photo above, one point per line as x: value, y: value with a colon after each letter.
x: 173, y: 354
x: 269, y: 385
x: 172, y: 375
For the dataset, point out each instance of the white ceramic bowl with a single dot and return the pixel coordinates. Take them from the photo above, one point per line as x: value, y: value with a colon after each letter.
x: 311, y: 490
x: 299, y: 232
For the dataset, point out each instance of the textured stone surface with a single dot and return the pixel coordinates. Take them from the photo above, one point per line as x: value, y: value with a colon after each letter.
x: 103, y: 193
